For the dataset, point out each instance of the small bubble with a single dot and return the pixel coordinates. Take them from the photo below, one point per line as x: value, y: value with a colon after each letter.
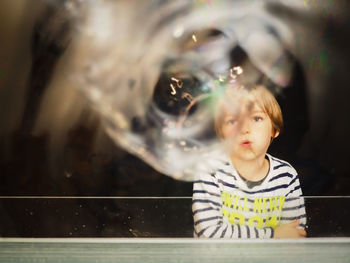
x: 178, y: 31
x: 194, y: 38
x: 182, y: 143
x: 187, y: 149
x: 68, y: 175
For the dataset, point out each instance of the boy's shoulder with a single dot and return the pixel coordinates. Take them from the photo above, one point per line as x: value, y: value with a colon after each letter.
x: 277, y: 164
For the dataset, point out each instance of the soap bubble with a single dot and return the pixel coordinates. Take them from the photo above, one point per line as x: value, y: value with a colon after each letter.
x: 153, y: 70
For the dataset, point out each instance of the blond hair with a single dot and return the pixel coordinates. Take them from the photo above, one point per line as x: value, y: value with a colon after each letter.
x: 263, y: 97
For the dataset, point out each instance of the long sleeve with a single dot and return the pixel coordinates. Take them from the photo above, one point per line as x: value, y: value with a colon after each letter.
x: 208, y: 215
x: 294, y: 205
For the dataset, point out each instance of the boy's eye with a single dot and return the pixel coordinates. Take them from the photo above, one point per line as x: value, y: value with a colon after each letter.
x: 231, y: 122
x: 257, y: 118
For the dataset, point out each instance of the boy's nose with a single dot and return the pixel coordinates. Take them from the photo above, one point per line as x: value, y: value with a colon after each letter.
x: 245, y: 127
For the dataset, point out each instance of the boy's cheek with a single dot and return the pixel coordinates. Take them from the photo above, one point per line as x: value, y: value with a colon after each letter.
x: 230, y: 142
x: 228, y: 132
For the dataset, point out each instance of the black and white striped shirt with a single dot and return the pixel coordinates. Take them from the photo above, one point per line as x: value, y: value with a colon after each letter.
x: 225, y: 207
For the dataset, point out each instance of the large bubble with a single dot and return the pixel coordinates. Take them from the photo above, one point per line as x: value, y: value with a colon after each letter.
x: 154, y: 69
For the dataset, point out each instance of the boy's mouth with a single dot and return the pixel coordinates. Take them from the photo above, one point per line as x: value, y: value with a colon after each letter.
x: 246, y: 143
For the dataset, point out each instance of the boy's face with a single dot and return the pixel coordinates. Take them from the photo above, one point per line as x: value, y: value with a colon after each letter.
x: 247, y: 130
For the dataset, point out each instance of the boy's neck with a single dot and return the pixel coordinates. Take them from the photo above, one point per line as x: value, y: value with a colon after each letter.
x: 252, y: 170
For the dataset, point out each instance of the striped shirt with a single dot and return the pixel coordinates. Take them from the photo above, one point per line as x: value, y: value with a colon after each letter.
x: 225, y: 207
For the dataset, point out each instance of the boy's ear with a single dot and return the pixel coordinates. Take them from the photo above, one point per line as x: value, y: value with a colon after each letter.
x: 277, y: 132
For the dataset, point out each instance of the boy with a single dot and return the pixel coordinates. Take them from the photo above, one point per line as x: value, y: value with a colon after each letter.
x: 249, y: 193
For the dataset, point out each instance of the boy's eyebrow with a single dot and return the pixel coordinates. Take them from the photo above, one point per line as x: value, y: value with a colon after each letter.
x: 230, y: 116
x: 258, y: 111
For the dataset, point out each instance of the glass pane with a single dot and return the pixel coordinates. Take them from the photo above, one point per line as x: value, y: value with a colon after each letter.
x: 53, y: 221
x: 83, y: 84
x: 152, y: 217
x: 96, y: 217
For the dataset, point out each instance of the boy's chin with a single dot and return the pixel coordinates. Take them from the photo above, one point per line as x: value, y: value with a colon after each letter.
x: 243, y: 154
